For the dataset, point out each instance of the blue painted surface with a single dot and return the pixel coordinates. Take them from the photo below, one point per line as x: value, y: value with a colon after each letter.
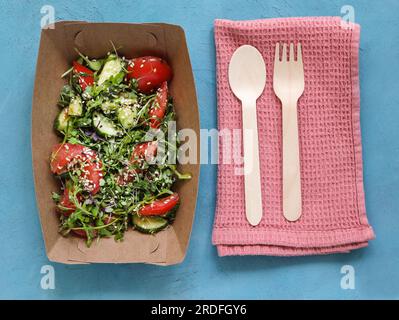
x: 203, y: 274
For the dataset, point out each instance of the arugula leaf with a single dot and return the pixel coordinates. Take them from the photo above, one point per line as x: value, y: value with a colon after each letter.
x: 65, y: 96
x: 56, y: 197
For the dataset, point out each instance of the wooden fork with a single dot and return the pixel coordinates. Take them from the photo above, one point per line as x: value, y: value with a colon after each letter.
x: 288, y: 85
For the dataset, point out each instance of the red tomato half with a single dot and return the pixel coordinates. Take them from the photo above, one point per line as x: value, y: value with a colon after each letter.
x: 161, y: 206
x: 150, y: 72
x: 66, y: 203
x: 92, y: 173
x: 66, y: 156
x: 107, y: 219
x: 86, y: 76
x: 142, y: 151
x: 79, y: 233
x: 62, y: 155
x: 158, y: 109
x: 82, y: 234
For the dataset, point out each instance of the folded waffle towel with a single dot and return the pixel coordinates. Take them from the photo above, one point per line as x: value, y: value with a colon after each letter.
x: 333, y: 208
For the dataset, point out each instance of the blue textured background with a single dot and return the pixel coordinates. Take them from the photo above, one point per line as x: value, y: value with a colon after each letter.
x: 203, y: 274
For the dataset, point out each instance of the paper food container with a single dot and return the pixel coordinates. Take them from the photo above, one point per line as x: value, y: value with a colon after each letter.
x: 56, y: 54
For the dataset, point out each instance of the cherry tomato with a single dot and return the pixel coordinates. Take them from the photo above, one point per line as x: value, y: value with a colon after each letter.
x: 107, y: 219
x: 62, y: 155
x: 79, y: 233
x: 68, y: 156
x: 150, y: 72
x: 142, y: 151
x: 86, y: 76
x: 66, y: 203
x: 82, y: 234
x: 161, y: 206
x: 158, y: 109
x: 127, y: 175
x: 92, y: 173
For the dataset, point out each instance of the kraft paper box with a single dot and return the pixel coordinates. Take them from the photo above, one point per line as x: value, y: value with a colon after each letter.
x: 56, y: 54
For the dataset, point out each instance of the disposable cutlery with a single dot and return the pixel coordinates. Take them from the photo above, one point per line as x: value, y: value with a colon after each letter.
x: 247, y: 78
x: 289, y: 84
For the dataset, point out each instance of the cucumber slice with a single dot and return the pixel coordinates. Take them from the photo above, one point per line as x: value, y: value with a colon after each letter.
x: 149, y: 224
x: 62, y: 120
x: 127, y: 99
x: 75, y: 107
x: 83, y: 122
x: 109, y: 107
x: 127, y: 117
x: 111, y: 68
x: 105, y: 126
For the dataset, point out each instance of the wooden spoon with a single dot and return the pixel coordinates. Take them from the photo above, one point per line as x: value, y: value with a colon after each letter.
x: 247, y: 78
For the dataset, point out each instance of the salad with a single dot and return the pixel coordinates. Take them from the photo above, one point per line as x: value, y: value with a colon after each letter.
x: 111, y: 177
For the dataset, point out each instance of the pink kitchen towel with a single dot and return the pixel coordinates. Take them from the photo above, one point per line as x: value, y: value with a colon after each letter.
x: 333, y: 215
